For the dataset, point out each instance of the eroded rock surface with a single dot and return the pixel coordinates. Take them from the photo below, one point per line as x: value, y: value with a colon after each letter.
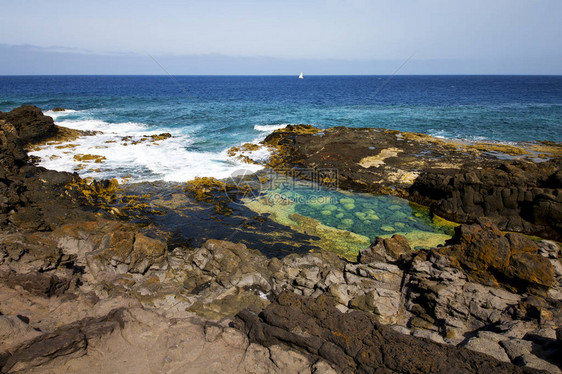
x: 516, y: 196
x: 355, y: 342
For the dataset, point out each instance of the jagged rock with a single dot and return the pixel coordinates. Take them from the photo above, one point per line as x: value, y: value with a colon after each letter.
x: 437, y: 293
x: 32, y: 198
x: 489, y: 347
x: 14, y: 330
x: 12, y: 155
x: 516, y: 196
x: 127, y: 251
x: 532, y: 361
x: 142, y: 341
x: 460, y: 181
x: 549, y: 249
x: 30, y: 123
x: 531, y: 268
x: 37, y: 283
x: 70, y: 340
x: 356, y: 342
x: 516, y: 348
x: 490, y: 257
x: 385, y: 250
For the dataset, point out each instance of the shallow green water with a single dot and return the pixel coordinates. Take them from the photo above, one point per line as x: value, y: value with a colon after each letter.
x: 294, y: 218
x: 362, y: 214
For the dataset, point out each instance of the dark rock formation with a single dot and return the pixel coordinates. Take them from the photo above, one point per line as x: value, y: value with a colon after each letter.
x: 490, y: 257
x: 355, y: 342
x: 37, y: 283
x: 68, y: 340
x: 30, y: 123
x: 32, y: 198
x: 516, y: 196
x: 386, y: 250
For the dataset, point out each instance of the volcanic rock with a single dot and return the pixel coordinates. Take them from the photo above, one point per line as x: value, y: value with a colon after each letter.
x: 516, y: 196
x: 355, y: 342
x: 30, y: 123
x: 490, y: 257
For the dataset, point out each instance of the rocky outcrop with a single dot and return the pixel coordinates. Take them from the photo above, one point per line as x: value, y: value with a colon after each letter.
x: 490, y: 257
x: 67, y: 341
x: 33, y: 127
x: 461, y: 181
x: 386, y: 250
x: 425, y: 295
x: 355, y: 342
x: 118, y: 335
x: 31, y: 198
x: 516, y: 196
x: 30, y: 123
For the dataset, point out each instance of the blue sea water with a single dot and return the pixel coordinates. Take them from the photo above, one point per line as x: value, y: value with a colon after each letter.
x: 208, y: 114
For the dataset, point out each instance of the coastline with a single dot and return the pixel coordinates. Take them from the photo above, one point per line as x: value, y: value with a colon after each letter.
x: 484, y: 290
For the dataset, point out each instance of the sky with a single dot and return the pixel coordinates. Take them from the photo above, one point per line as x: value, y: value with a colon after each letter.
x: 281, y: 37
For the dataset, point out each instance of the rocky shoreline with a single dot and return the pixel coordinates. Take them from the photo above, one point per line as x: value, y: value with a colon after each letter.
x: 517, y: 186
x: 83, y: 291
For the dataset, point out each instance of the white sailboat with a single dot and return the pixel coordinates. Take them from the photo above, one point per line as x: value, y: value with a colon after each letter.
x: 300, y: 76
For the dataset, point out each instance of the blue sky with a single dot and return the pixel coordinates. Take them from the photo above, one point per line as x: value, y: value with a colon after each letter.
x: 281, y: 37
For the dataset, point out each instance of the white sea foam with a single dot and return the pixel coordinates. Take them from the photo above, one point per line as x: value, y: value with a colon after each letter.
x: 169, y: 159
x: 439, y: 134
x: 477, y: 138
x: 261, y: 155
x: 270, y: 128
x: 444, y: 134
x: 63, y: 113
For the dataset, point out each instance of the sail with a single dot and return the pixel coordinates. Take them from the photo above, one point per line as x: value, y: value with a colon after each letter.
x: 300, y: 76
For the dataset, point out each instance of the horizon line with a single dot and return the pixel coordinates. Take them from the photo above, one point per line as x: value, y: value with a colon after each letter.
x: 285, y: 75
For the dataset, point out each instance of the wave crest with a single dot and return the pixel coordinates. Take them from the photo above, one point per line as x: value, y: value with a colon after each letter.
x: 270, y: 128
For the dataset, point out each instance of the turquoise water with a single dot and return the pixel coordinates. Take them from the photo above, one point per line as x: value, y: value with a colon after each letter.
x: 362, y: 214
x: 207, y: 115
x: 270, y: 220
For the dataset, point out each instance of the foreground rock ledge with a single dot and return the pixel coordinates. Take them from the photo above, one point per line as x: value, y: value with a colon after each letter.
x: 355, y: 342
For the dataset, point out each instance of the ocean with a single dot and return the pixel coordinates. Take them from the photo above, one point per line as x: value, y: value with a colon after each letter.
x: 206, y: 115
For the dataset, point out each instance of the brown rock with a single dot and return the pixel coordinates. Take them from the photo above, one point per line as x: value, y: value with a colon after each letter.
x: 385, y: 250
x: 30, y: 123
x: 490, y: 257
x: 355, y: 342
x: 66, y: 341
x: 517, y: 196
x: 531, y: 268
x: 37, y: 283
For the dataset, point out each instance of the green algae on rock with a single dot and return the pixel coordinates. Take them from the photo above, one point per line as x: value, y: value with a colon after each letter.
x: 345, y: 225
